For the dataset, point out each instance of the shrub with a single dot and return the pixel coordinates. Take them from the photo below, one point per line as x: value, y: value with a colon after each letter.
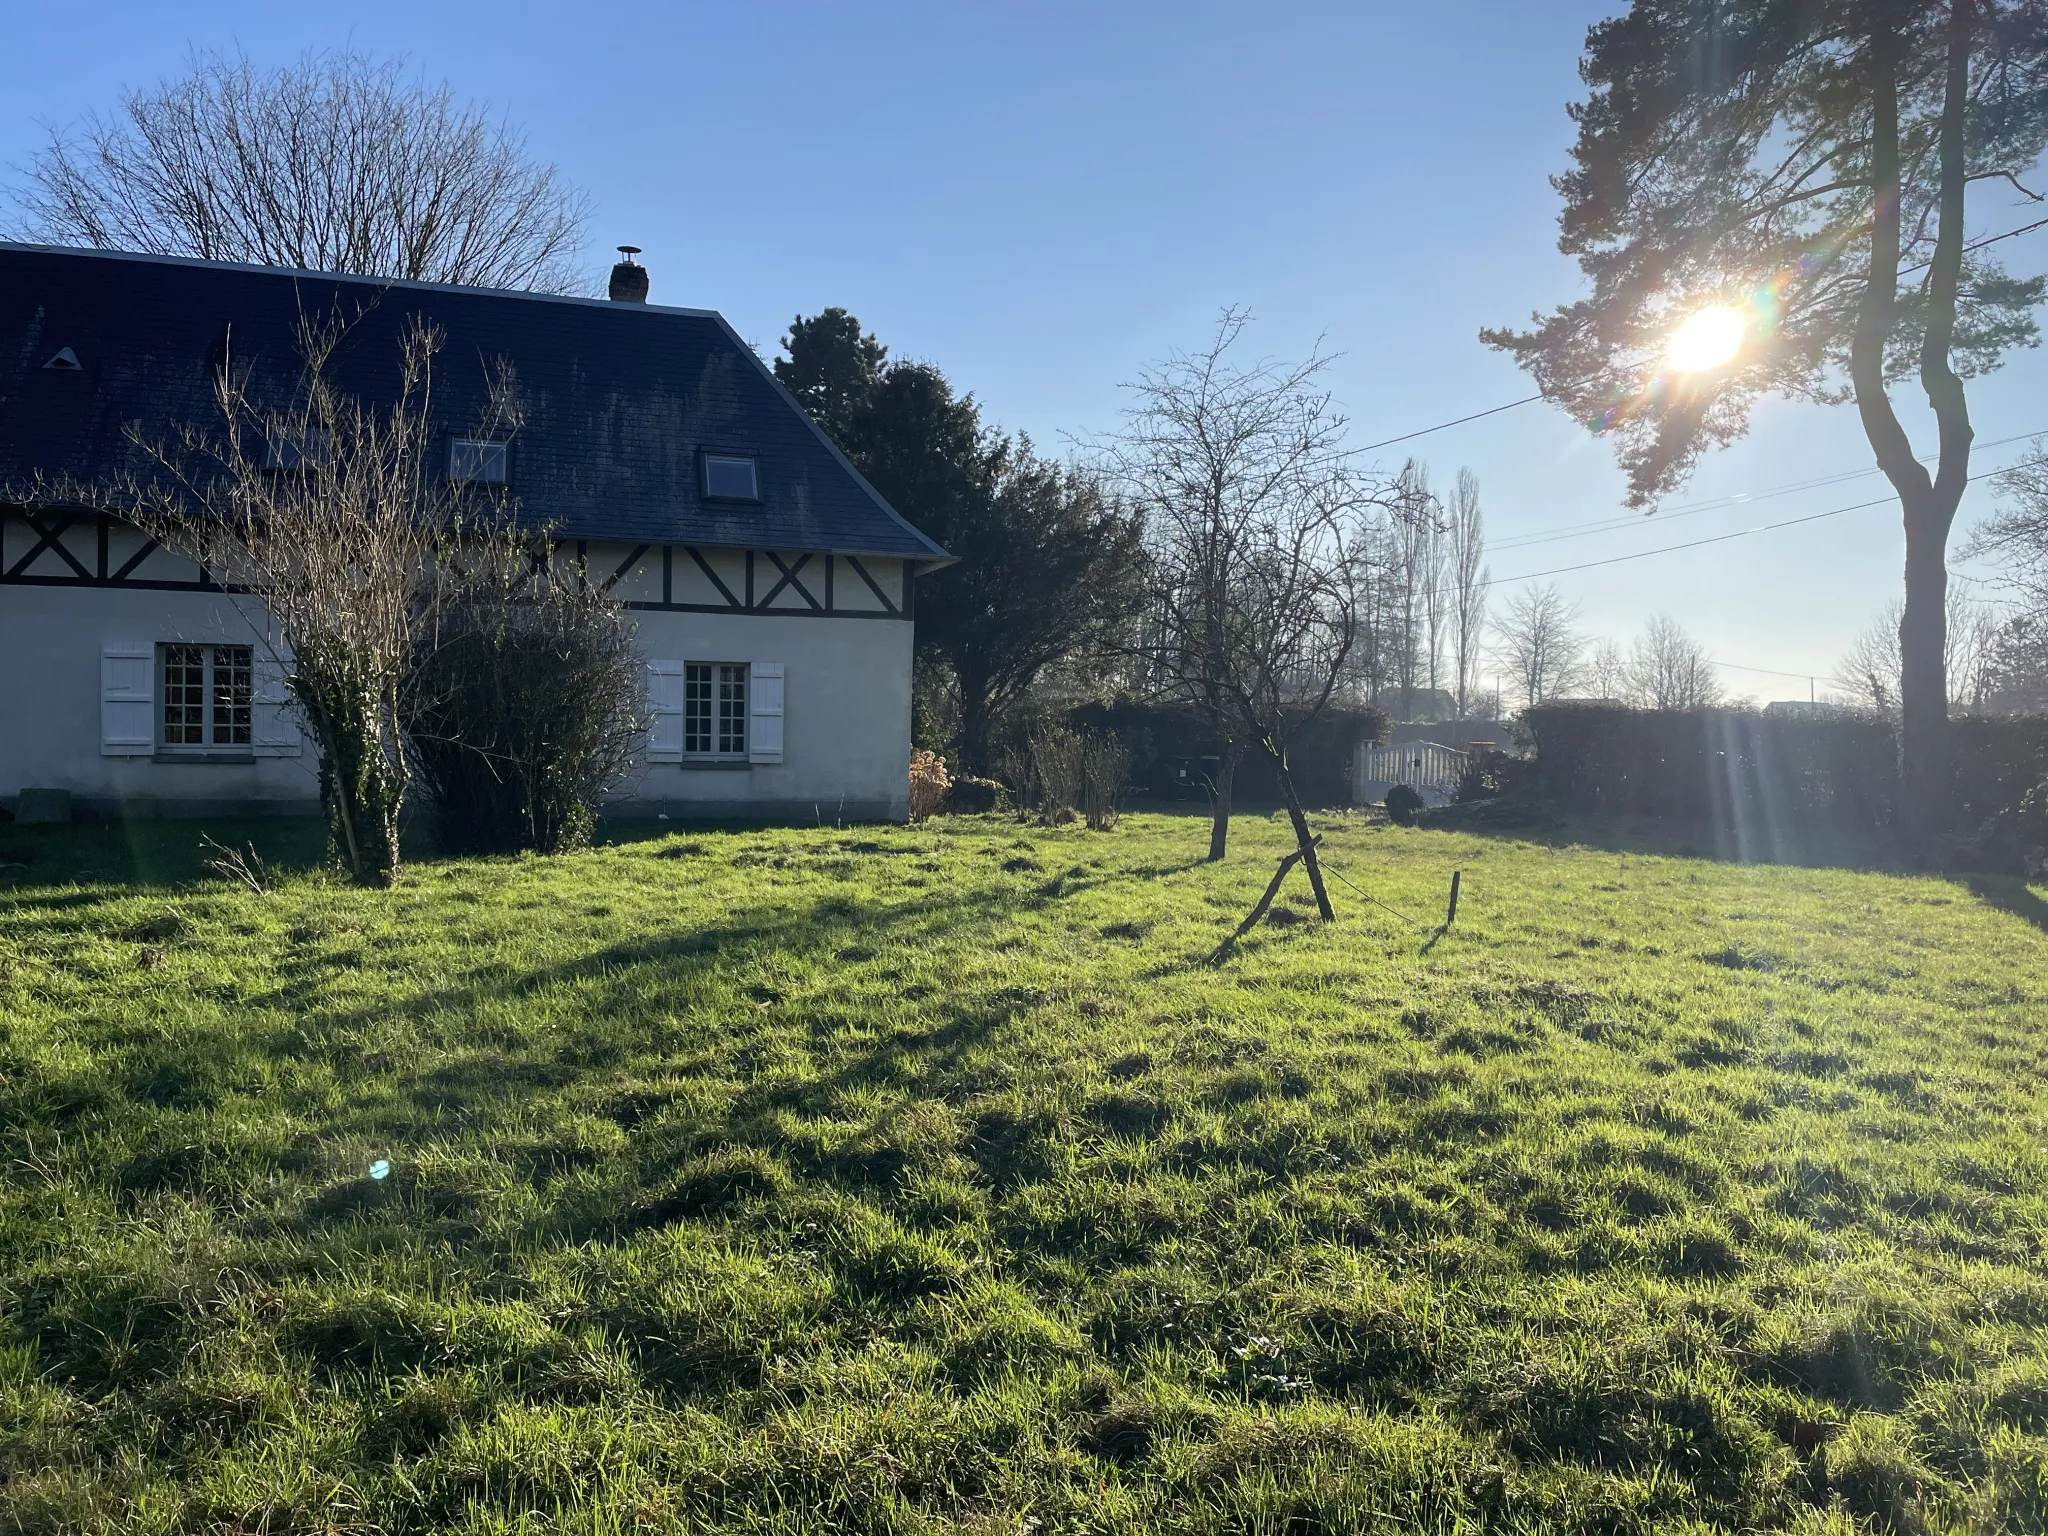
x: 525, y: 709
x: 1487, y: 776
x: 1105, y: 774
x: 1069, y: 774
x: 929, y: 783
x: 1404, y: 805
x: 970, y: 796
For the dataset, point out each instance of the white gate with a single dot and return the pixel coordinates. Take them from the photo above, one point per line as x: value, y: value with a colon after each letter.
x: 1429, y: 768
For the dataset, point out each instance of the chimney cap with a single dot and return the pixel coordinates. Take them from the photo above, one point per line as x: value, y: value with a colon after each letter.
x: 629, y: 278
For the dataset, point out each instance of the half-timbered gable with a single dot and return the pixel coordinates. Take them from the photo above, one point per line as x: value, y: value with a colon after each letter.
x: 772, y: 590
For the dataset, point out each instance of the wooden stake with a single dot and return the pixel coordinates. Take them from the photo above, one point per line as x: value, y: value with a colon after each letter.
x: 1265, y: 901
x: 1451, y: 916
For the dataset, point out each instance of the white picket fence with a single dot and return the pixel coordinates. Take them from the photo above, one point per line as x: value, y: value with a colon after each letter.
x: 1431, y: 769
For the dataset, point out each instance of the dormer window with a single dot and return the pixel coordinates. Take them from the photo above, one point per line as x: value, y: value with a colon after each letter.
x: 479, y: 461
x: 731, y: 477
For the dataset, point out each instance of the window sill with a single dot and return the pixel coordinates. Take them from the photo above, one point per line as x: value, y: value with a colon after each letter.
x: 221, y: 758
x: 714, y: 764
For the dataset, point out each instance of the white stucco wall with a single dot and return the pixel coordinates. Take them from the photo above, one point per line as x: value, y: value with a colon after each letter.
x: 846, y: 721
x: 845, y: 726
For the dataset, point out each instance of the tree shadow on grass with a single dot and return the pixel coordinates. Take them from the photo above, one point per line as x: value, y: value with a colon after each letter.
x: 2010, y: 894
x: 149, y: 856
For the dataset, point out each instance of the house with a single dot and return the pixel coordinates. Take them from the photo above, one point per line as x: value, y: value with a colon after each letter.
x: 771, y: 588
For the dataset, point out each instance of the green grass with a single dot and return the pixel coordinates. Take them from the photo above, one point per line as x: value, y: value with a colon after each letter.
x: 928, y: 1180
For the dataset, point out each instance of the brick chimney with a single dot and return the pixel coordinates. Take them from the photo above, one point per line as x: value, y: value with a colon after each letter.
x: 629, y: 278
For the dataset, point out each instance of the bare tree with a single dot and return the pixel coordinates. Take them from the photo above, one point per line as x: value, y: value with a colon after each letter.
x: 1539, y: 644
x: 1231, y: 464
x: 328, y: 512
x: 336, y: 163
x: 1871, y: 668
x: 1467, y: 576
x: 1668, y: 669
x: 1413, y: 576
x: 2016, y: 536
x: 1606, y: 672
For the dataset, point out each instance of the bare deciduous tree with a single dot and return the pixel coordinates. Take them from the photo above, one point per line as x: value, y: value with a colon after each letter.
x: 2016, y: 535
x: 1606, y: 672
x: 336, y: 163
x: 1871, y: 669
x: 1668, y: 669
x: 1539, y: 644
x: 1467, y: 577
x: 1237, y: 470
x: 328, y: 512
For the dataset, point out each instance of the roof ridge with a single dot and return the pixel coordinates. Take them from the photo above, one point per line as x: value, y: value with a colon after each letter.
x: 258, y: 268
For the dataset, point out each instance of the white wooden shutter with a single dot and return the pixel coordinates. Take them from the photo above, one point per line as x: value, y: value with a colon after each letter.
x: 127, y: 699
x: 665, y: 705
x: 274, y: 723
x: 764, y: 730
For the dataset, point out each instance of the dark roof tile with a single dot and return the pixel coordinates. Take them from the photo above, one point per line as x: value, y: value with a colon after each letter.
x: 618, y: 399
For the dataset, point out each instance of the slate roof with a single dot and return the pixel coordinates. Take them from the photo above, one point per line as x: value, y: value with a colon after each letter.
x: 618, y: 399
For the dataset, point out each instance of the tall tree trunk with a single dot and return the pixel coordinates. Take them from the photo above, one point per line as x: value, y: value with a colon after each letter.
x: 1302, y: 839
x: 1928, y: 503
x: 1219, y: 800
x: 977, y: 719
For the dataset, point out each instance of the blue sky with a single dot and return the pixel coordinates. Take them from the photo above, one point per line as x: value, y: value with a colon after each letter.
x: 1042, y: 198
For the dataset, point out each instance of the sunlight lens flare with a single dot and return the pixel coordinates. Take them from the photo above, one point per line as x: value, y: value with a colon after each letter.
x: 1707, y: 339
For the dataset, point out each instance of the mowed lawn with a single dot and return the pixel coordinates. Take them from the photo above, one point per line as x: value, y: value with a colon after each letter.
x: 932, y: 1179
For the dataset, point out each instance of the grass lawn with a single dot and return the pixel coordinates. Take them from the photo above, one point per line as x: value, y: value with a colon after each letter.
x: 919, y: 1180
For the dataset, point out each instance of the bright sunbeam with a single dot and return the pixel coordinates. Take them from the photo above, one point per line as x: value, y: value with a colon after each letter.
x: 1707, y: 339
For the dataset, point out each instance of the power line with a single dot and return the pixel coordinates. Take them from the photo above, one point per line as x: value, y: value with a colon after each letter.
x: 1722, y: 503
x: 1445, y: 426
x: 1722, y: 538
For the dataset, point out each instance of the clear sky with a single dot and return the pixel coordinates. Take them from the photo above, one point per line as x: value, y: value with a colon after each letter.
x: 1041, y: 198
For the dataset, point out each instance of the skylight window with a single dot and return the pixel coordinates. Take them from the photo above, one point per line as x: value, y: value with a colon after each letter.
x: 305, y: 448
x: 479, y: 461
x: 731, y: 477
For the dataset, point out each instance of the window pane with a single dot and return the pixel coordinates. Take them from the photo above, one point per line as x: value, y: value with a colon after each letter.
x: 231, y: 693
x: 184, y: 696
x: 480, y: 462
x: 730, y: 478
x: 696, y: 707
x: 297, y: 449
x: 732, y: 709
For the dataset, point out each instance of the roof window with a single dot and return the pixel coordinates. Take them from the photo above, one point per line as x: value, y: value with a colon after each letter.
x: 297, y: 448
x: 731, y: 477
x: 479, y: 461
x: 66, y: 361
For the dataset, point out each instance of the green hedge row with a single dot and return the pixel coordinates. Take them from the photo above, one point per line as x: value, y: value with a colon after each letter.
x: 1741, y: 768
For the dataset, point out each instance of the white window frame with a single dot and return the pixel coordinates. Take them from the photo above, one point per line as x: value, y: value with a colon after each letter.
x: 715, y: 721
x: 211, y: 725
x: 759, y: 712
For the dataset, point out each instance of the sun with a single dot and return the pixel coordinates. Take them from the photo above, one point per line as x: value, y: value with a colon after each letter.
x: 1708, y: 338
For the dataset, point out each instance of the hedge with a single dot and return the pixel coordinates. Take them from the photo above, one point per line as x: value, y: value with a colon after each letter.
x: 1162, y: 736
x: 1743, y: 769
